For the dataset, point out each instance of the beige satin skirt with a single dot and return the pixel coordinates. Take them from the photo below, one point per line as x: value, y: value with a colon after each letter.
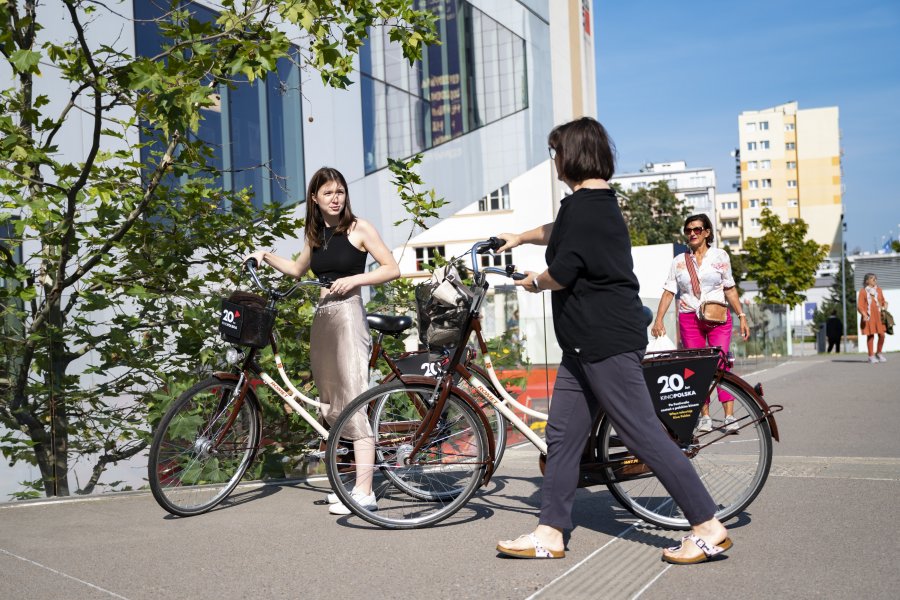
x: 340, y: 345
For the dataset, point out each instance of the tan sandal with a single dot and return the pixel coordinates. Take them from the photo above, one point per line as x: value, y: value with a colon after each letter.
x: 536, y: 551
x: 708, y: 550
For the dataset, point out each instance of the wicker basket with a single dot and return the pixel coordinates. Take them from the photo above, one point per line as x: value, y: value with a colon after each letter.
x: 245, y: 321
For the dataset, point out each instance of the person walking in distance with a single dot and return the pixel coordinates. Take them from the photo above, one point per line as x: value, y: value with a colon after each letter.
x: 599, y: 323
x: 869, y: 303
x: 337, y: 244
x: 834, y: 329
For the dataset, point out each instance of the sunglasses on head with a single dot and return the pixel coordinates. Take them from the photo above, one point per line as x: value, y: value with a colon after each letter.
x: 688, y: 230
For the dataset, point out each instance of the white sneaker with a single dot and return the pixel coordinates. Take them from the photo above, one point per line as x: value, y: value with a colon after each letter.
x: 332, y: 498
x: 365, y: 502
x: 705, y: 424
x: 881, y: 357
x: 731, y: 424
x: 873, y: 360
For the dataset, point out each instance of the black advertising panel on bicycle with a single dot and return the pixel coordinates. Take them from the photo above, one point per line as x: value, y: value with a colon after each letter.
x: 231, y: 320
x: 245, y: 320
x: 679, y: 384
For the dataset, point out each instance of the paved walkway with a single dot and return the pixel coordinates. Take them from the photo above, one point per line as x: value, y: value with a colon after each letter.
x: 823, y: 527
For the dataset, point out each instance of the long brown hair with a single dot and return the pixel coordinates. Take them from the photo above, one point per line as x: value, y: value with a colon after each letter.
x: 315, y: 223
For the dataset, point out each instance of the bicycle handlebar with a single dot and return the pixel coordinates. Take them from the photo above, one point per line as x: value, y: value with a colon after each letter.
x: 252, y: 264
x: 490, y: 246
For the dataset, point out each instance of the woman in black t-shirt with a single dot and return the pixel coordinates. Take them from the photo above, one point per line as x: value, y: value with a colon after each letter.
x: 599, y: 322
x: 337, y: 243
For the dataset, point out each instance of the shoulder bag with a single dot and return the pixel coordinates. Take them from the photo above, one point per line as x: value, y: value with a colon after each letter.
x: 712, y: 312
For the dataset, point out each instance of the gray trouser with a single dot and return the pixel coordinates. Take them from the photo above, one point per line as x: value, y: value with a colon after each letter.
x: 616, y: 386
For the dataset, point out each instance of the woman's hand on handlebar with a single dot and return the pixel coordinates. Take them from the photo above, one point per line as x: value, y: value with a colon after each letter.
x: 528, y: 282
x: 512, y: 240
x: 258, y: 256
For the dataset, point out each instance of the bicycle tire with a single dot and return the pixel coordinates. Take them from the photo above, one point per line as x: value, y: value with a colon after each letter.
x: 199, y: 451
x: 447, y: 473
x: 734, y: 468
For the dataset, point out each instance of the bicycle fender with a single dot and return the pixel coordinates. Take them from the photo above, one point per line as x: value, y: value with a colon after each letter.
x: 430, y: 381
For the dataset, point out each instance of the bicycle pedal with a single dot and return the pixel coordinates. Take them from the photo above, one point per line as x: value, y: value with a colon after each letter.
x: 320, y: 454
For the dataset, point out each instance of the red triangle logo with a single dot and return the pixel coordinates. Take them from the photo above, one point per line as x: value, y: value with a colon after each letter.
x: 237, y: 313
x: 687, y: 372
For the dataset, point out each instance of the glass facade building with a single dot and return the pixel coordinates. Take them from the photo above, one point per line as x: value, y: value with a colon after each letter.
x: 477, y: 75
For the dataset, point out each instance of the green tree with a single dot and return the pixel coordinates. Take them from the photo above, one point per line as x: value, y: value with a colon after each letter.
x: 782, y: 261
x: 895, y: 245
x: 654, y: 215
x: 124, y: 256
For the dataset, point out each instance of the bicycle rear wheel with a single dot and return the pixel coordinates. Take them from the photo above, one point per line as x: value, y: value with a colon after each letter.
x: 411, y: 491
x: 733, y: 467
x: 202, y: 447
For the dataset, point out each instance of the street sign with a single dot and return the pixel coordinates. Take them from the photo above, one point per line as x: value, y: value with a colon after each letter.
x: 809, y: 309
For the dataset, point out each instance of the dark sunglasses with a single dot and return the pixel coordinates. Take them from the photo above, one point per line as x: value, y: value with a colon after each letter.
x: 698, y: 230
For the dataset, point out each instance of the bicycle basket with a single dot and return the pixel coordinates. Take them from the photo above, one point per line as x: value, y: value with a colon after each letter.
x: 245, y: 320
x: 442, y: 310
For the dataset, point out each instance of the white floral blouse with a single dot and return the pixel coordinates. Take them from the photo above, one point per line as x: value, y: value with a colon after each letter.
x: 714, y: 274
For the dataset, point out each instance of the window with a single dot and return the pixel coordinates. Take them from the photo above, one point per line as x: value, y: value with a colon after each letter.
x: 496, y: 200
x: 425, y: 256
x: 641, y: 185
x: 766, y: 183
x: 765, y: 164
x: 792, y: 202
x: 730, y: 223
x: 754, y: 222
x: 751, y: 145
x: 790, y: 146
x: 792, y: 220
x: 497, y: 260
x: 764, y: 145
x: 792, y: 183
x: 252, y: 126
x: 729, y: 205
x: 763, y: 125
x: 475, y: 76
x: 750, y: 126
x: 753, y: 183
x: 754, y: 203
x: 765, y: 202
x: 751, y: 165
x: 788, y: 126
x: 792, y: 164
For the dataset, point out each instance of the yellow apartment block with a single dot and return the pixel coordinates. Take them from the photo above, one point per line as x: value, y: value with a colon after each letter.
x: 791, y: 164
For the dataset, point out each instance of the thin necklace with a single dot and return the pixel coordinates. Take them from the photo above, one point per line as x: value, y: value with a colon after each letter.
x: 328, y: 239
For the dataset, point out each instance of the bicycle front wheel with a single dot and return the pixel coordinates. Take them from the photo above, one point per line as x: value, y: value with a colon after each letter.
x: 411, y: 490
x: 202, y: 447
x: 732, y: 466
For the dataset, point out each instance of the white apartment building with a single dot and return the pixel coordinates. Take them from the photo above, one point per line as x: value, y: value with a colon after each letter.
x: 696, y: 187
x: 728, y: 209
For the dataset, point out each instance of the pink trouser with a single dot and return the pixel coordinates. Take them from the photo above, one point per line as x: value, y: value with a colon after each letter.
x: 697, y: 334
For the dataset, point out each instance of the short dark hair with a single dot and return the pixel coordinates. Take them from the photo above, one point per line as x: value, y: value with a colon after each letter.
x: 707, y: 224
x: 584, y: 150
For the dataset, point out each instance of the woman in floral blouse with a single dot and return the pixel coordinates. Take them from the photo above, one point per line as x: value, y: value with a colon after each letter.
x: 713, y: 268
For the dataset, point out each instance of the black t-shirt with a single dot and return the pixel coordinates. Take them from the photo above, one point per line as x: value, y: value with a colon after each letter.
x: 598, y: 313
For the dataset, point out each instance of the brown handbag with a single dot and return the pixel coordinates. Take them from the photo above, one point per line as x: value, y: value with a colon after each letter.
x: 712, y: 312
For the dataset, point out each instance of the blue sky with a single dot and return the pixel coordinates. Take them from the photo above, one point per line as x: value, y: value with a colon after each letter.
x: 672, y: 78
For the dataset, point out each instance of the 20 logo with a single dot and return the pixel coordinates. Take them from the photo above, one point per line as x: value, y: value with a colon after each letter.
x: 671, y: 383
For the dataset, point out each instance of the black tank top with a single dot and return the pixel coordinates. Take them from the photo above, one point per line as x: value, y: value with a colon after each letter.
x: 339, y: 259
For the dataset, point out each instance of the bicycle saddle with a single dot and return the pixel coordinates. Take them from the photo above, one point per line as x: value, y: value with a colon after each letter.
x: 388, y: 323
